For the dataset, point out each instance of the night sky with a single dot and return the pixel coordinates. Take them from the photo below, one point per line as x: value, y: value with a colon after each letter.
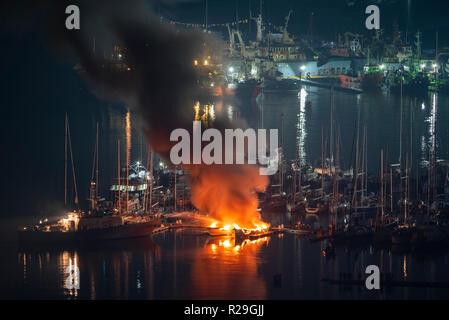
x: 330, y: 17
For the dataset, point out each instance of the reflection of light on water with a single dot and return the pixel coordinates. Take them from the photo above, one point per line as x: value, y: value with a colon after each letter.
x: 70, y: 272
x: 237, y: 248
x: 226, y: 265
x: 423, y: 148
x: 431, y: 119
x: 404, y: 267
x: 230, y: 112
x: 196, y: 108
x: 24, y: 261
x: 430, y: 145
x: 301, y: 126
x: 205, y: 114
x: 212, y: 112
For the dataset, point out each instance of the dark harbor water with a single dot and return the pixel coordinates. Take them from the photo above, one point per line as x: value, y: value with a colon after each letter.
x: 175, y: 264
x: 178, y: 265
x: 307, y: 113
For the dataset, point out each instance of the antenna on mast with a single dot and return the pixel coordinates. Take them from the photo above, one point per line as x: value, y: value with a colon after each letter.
x: 206, y: 14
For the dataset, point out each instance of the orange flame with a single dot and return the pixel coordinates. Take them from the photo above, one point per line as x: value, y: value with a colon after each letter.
x: 228, y: 194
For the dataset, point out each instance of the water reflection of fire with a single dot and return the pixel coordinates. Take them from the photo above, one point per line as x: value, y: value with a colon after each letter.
x: 227, y: 266
x: 227, y: 243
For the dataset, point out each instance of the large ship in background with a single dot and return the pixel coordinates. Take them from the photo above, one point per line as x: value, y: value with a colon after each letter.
x: 365, y: 61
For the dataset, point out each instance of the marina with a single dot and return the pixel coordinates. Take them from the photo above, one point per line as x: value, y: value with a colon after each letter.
x: 119, y: 183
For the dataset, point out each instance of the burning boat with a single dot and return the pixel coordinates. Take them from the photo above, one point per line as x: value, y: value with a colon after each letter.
x: 259, y: 230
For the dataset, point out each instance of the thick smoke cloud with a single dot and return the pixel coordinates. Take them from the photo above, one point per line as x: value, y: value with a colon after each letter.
x: 161, y: 85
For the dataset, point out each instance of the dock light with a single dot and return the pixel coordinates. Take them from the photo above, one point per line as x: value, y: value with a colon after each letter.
x: 231, y: 69
x: 303, y: 68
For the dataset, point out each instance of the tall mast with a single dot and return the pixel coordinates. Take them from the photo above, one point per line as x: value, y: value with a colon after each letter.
x: 175, y: 191
x: 391, y: 189
x: 128, y: 151
x: 354, y: 198
x: 151, y: 180
x: 119, y: 179
x: 65, y: 160
x: 73, y: 165
x: 145, y: 195
x: 406, y: 188
x: 96, y: 173
x: 400, y: 150
x: 331, y: 146
x: 206, y: 14
x: 322, y: 163
x: 382, y: 183
x: 282, y: 155
x: 366, y: 159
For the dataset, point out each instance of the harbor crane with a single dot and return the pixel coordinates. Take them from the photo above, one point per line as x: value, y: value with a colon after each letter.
x: 232, y: 34
x: 285, y: 35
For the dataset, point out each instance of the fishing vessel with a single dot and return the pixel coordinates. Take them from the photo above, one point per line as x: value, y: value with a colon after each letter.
x: 80, y: 228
